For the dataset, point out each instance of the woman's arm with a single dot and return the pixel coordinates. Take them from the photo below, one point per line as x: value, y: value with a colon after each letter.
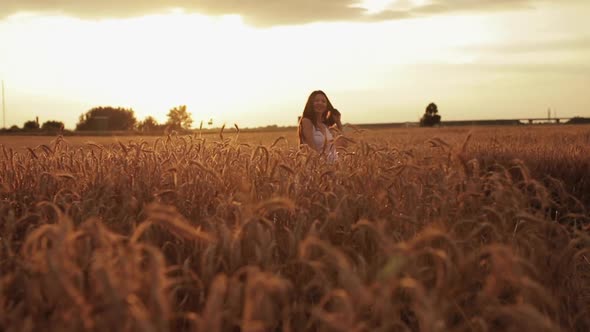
x: 307, y: 133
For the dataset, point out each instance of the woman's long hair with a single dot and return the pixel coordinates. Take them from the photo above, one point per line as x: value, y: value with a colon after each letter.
x: 309, y: 113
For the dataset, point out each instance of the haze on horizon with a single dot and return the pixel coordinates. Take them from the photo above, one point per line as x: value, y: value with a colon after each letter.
x: 254, y: 63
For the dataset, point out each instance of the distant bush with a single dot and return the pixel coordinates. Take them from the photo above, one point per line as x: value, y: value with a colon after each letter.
x: 52, y: 125
x: 179, y: 118
x: 149, y: 124
x: 578, y: 120
x: 107, y: 118
x: 31, y: 125
x: 430, y: 117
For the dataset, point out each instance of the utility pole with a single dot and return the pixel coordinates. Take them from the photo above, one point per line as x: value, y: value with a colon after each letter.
x: 3, y: 107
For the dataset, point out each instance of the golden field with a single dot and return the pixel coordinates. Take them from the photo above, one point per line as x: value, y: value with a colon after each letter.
x: 414, y: 229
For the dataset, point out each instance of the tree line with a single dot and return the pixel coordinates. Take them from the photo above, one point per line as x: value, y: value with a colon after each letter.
x: 107, y: 118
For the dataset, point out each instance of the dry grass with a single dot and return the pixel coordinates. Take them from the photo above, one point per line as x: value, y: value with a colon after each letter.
x: 412, y: 230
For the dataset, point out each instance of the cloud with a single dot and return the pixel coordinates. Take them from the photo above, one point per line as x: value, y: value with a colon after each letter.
x: 261, y: 12
x: 577, y: 44
x: 443, y: 6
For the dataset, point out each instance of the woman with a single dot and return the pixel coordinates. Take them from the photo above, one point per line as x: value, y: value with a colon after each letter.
x: 318, y: 116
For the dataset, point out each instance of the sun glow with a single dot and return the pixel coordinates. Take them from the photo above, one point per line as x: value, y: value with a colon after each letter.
x: 218, y: 67
x: 224, y: 69
x: 152, y: 62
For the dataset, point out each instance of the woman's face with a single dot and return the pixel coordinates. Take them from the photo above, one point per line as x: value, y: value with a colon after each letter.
x: 320, y: 103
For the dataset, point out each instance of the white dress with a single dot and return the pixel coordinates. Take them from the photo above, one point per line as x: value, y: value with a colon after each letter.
x: 319, y: 140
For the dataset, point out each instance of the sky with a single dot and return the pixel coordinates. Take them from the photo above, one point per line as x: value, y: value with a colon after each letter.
x: 255, y: 62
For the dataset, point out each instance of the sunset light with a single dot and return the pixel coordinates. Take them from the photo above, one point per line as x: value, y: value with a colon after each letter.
x: 255, y: 74
x: 295, y: 165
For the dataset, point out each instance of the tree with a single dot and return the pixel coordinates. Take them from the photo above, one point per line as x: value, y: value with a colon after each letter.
x: 430, y: 117
x: 148, y: 124
x: 179, y: 118
x: 52, y: 125
x: 31, y: 125
x: 107, y: 118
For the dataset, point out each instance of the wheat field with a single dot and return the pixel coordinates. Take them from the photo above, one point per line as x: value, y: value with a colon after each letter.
x: 446, y: 229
